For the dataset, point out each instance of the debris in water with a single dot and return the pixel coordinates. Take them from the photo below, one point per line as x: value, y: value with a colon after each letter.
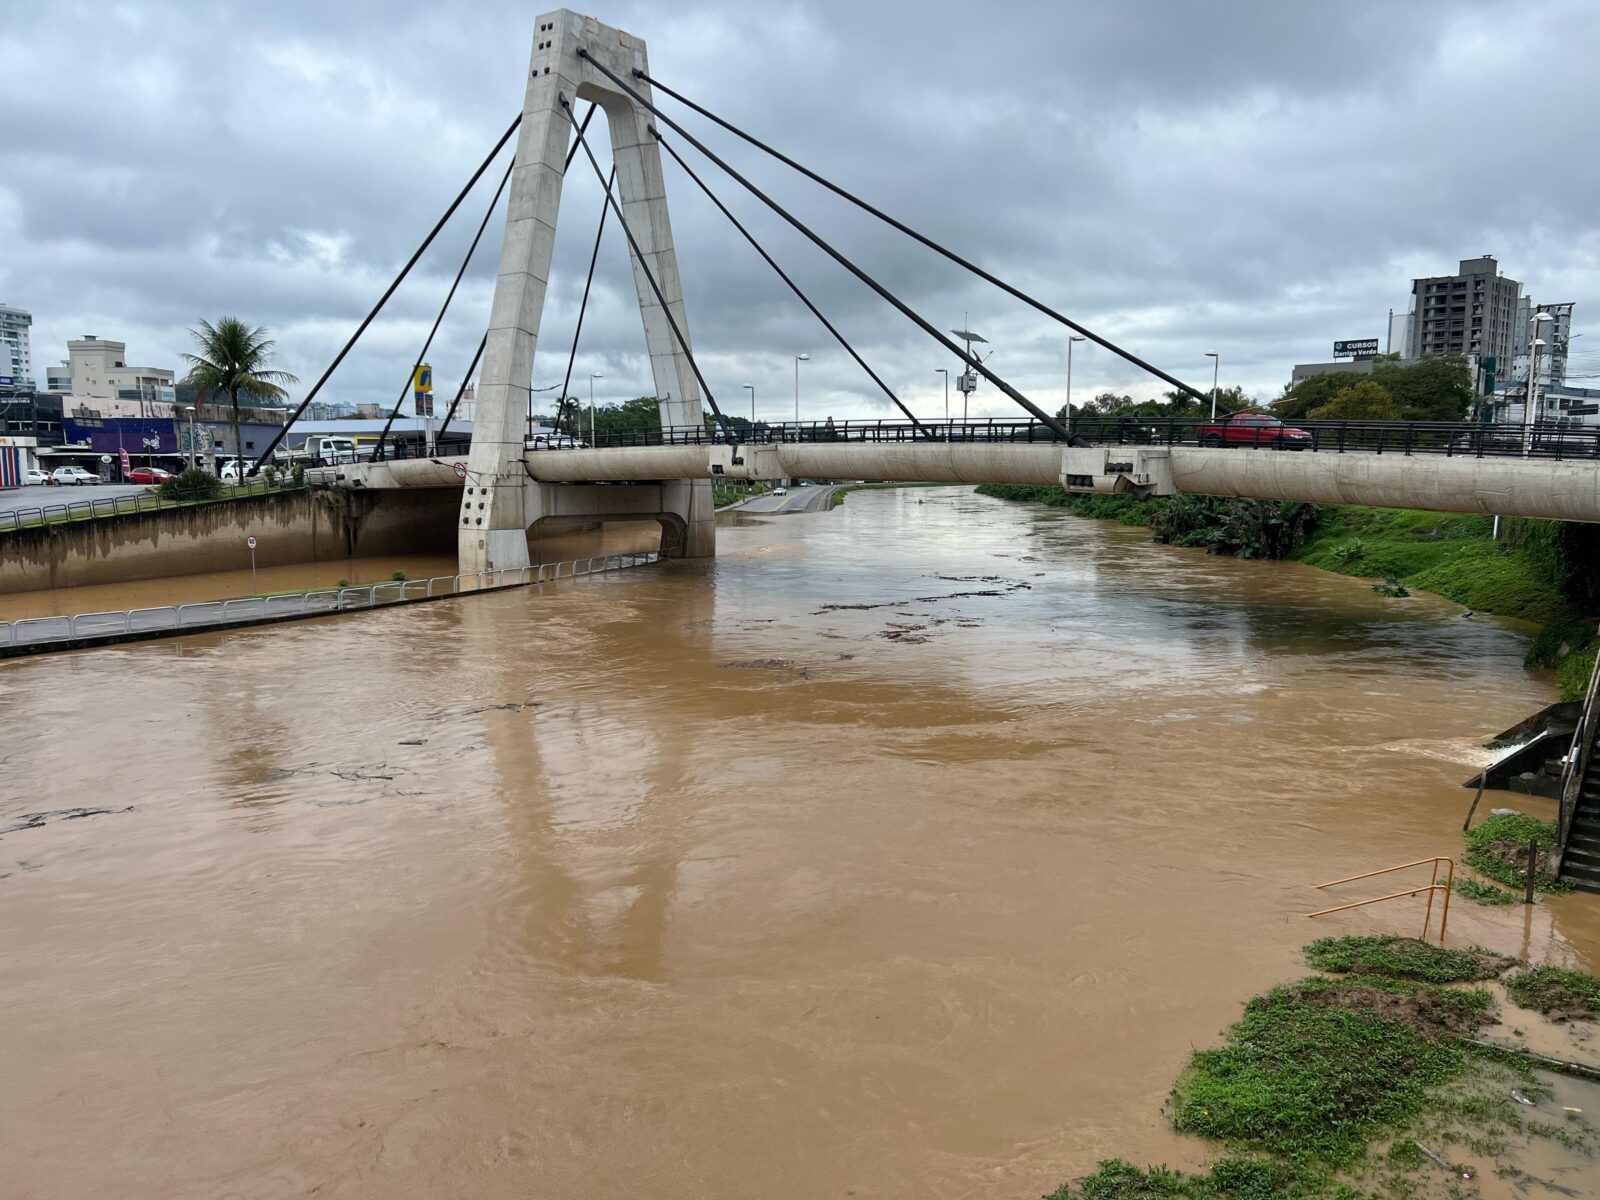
x: 35, y: 820
x: 415, y: 742
x: 1520, y: 1098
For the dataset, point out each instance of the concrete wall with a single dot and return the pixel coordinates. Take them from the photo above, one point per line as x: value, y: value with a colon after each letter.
x: 309, y: 525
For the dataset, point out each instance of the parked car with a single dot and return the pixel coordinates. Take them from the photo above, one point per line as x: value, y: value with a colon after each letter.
x: 228, y: 470
x: 780, y: 491
x: 148, y: 475
x: 1254, y: 429
x: 72, y: 475
x: 35, y: 477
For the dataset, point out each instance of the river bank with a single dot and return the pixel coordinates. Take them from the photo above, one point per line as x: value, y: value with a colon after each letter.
x: 1541, y: 572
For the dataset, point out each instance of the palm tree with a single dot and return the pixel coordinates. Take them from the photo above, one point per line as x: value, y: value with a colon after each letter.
x: 233, y: 358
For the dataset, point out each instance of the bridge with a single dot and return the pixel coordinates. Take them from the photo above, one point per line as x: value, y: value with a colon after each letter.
x: 509, y: 487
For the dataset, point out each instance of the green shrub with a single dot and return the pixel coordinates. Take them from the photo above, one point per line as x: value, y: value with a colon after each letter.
x: 398, y: 577
x: 1404, y: 958
x: 1556, y: 991
x: 1572, y: 676
x: 298, y: 475
x: 1263, y: 1090
x: 1484, y: 893
x: 193, y: 484
x: 1498, y: 847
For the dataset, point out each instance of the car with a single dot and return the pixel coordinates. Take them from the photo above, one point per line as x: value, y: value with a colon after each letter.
x: 148, y: 475
x: 780, y: 491
x: 228, y: 471
x: 72, y: 475
x: 1254, y: 429
x: 35, y: 477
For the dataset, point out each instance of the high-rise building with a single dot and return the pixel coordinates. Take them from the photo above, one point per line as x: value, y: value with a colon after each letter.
x: 1555, y: 333
x: 1473, y: 312
x: 16, y: 360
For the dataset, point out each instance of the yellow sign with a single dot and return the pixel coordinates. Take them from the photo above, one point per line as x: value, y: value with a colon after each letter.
x: 423, y: 382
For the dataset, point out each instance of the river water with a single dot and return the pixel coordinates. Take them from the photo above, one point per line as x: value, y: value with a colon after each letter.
x: 905, y: 849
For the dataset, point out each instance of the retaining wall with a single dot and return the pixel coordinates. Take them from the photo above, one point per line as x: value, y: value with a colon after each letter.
x: 305, y: 525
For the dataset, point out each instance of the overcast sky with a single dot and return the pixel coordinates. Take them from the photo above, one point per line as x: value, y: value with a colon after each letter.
x: 1256, y: 178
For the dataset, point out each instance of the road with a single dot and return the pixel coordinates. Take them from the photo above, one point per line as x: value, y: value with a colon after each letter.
x: 36, y: 497
x: 809, y: 497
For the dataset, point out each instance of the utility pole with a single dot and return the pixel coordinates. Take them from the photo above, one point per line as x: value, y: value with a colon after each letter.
x: 1537, y: 343
x: 945, y: 371
x: 751, y: 388
x: 1216, y: 367
x: 593, y: 375
x: 798, y: 359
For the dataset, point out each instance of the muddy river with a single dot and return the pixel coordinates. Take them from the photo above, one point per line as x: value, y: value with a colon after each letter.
x: 905, y: 849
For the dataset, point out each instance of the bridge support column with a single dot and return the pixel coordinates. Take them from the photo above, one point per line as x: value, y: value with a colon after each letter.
x: 494, y: 520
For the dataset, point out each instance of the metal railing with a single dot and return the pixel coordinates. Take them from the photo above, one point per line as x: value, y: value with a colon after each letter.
x: 111, y: 506
x: 201, y: 615
x: 1432, y: 886
x: 1457, y: 439
x: 450, y: 447
x: 1577, y: 764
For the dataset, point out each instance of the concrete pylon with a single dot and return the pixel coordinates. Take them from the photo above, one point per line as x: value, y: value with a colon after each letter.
x: 499, y: 501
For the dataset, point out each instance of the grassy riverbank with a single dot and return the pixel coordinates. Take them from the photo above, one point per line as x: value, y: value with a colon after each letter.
x: 840, y: 493
x: 1537, y: 571
x: 1372, y: 1079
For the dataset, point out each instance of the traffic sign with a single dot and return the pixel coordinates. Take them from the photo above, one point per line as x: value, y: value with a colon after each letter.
x: 250, y: 541
x: 461, y: 470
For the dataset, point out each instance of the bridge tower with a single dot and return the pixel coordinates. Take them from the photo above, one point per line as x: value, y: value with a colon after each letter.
x: 499, y: 501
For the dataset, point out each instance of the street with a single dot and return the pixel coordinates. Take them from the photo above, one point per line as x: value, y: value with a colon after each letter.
x: 809, y: 497
x: 12, y: 499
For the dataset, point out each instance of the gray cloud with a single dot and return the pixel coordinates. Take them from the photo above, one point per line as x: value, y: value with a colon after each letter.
x: 1249, y: 177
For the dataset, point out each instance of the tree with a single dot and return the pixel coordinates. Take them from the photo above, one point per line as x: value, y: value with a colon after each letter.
x: 233, y: 358
x: 1364, y: 400
x: 1435, y: 389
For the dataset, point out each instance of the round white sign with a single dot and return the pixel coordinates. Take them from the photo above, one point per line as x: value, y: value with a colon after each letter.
x: 461, y: 470
x: 105, y: 458
x: 251, y: 542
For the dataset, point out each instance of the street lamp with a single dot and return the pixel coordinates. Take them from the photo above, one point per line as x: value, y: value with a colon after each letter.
x: 751, y: 388
x: 1533, y: 376
x: 593, y: 375
x: 945, y: 371
x: 1216, y: 367
x: 1070, y: 340
x: 189, y: 408
x: 798, y: 359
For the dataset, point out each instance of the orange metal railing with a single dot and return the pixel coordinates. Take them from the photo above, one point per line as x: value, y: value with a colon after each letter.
x: 1433, y: 886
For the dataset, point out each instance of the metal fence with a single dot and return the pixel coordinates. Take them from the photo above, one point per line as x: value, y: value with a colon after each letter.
x: 1462, y: 439
x: 110, y: 506
x: 216, y: 614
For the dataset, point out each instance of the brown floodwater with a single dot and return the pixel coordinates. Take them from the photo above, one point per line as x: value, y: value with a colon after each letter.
x: 687, y: 881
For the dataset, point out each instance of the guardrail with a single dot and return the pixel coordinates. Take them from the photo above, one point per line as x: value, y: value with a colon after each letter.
x: 202, y: 615
x: 1432, y: 886
x: 110, y: 506
x: 1460, y: 439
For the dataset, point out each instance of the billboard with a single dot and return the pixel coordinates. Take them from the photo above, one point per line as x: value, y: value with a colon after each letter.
x: 1356, y: 348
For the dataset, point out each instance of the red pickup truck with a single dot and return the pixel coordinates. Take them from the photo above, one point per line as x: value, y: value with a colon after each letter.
x: 1254, y: 429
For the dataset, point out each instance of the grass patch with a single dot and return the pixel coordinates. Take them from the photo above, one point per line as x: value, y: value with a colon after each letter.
x: 1556, y: 992
x: 1229, y: 1179
x: 1498, y: 847
x: 1314, y: 1071
x: 1404, y: 958
x: 1484, y: 893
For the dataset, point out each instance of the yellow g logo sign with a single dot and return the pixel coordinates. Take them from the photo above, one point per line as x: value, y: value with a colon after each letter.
x: 424, y: 379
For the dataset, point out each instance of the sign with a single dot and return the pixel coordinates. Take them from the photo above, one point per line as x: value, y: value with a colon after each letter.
x: 1357, y: 348
x: 967, y: 382
x: 460, y: 470
x: 105, y: 458
x: 424, y: 403
x: 7, y: 380
x: 250, y: 541
x: 422, y: 380
x: 126, y: 464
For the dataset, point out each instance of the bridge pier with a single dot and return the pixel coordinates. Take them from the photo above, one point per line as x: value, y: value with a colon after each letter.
x: 495, y: 509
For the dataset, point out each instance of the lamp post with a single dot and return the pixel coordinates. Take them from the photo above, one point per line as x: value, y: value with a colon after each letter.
x: 593, y: 375
x: 945, y: 371
x: 798, y: 359
x: 1536, y: 345
x: 751, y: 388
x: 1070, y: 340
x: 1216, y: 367
x: 189, y: 408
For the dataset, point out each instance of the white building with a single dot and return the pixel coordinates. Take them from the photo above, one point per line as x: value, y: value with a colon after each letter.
x: 16, y: 359
x: 96, y: 369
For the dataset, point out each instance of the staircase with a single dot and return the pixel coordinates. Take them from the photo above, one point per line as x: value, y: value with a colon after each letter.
x: 1578, y: 828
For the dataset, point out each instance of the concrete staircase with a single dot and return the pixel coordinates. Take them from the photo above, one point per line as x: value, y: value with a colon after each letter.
x: 1578, y: 829
x: 1580, y: 864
